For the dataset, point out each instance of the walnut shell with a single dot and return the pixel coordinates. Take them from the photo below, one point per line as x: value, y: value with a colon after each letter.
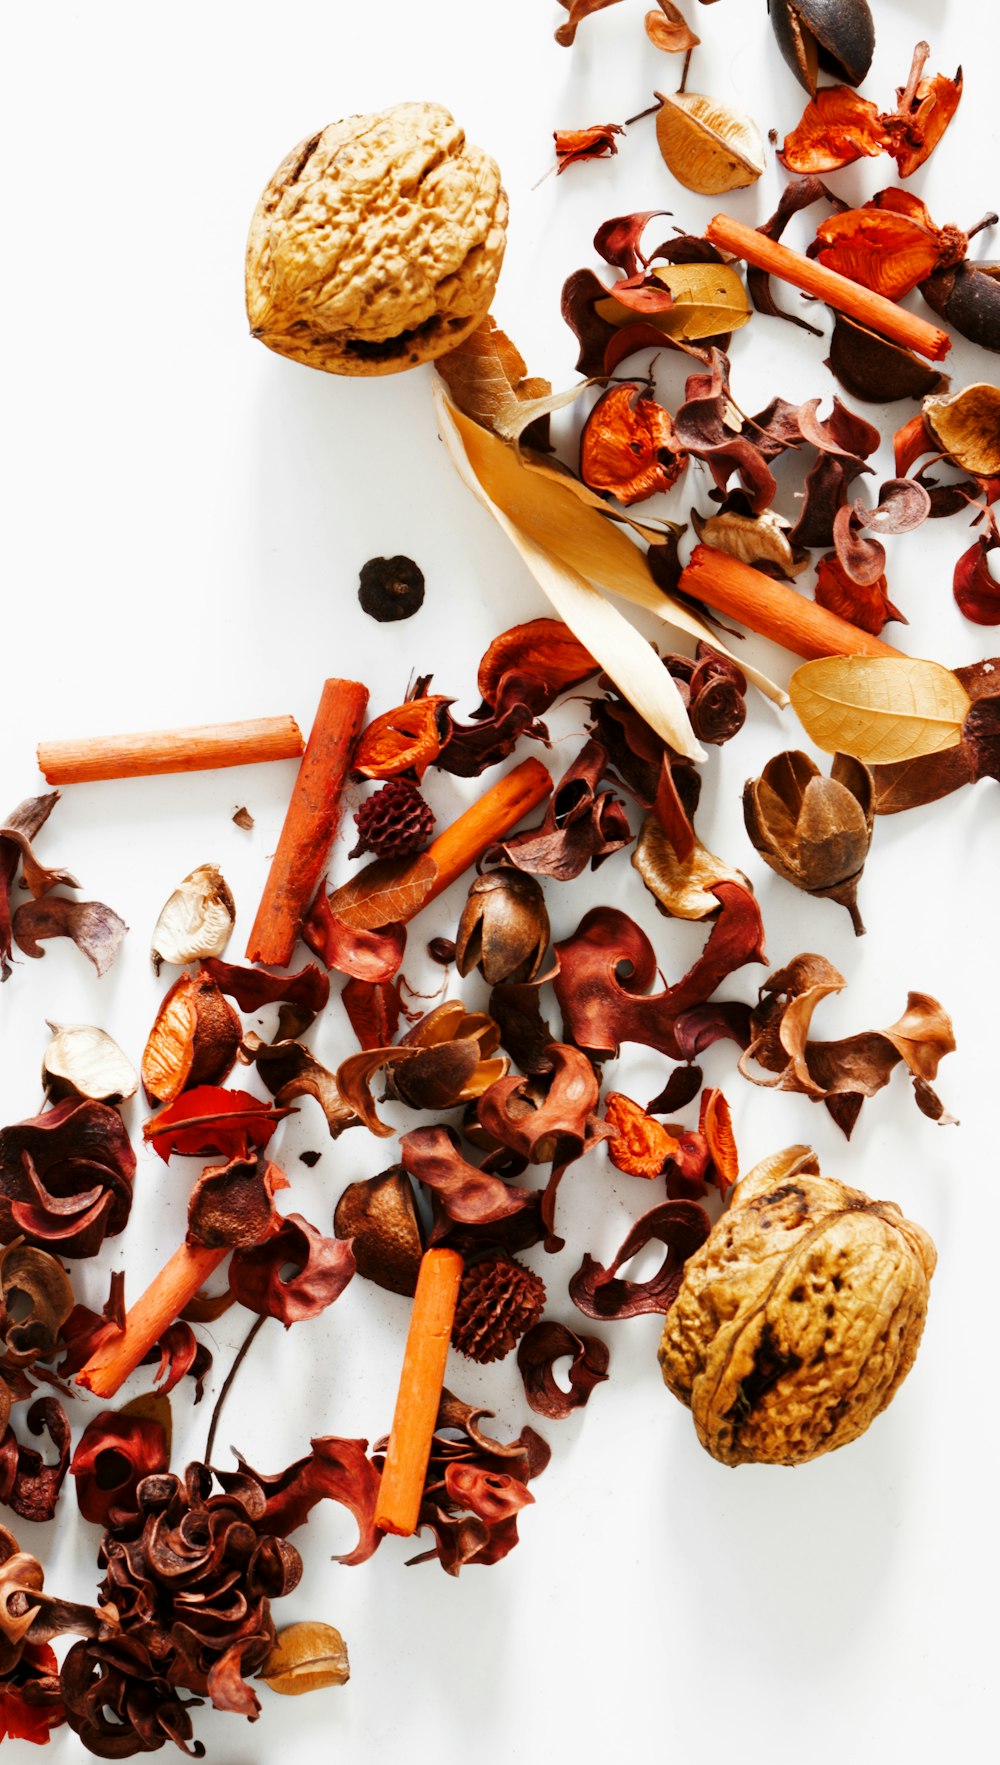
x: 377, y: 243
x: 798, y: 1318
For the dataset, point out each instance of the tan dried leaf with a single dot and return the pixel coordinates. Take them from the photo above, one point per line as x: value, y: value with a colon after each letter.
x: 682, y: 889
x: 196, y: 921
x: 879, y: 708
x: 669, y: 30
x: 709, y: 147
x: 83, y: 1061
x: 306, y: 1657
x: 385, y: 892
x: 709, y: 299
x: 967, y: 426
x: 754, y: 539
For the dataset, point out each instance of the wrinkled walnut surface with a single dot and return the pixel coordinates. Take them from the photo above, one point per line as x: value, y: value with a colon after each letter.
x: 799, y: 1318
x: 377, y: 243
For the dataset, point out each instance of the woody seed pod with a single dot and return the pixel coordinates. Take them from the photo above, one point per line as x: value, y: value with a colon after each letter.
x: 835, y: 35
x: 814, y: 831
x: 504, y: 928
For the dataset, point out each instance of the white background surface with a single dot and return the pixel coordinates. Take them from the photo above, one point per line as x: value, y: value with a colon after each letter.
x: 186, y: 517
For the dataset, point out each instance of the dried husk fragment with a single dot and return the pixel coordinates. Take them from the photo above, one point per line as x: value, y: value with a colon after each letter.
x: 193, y: 1041
x: 966, y: 425
x: 83, y: 1061
x: 306, y: 1657
x: 708, y: 146
x: 796, y: 1322
x: 968, y: 296
x: 813, y: 831
x: 196, y: 920
x: 379, y: 1216
x: 878, y: 372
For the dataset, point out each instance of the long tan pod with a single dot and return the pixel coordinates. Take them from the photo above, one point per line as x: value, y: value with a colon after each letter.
x: 863, y: 304
x: 89, y: 759
x: 773, y: 609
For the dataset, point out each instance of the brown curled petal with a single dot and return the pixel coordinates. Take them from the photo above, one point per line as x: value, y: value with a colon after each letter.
x: 66, y: 1178
x: 617, y: 240
x: 37, y: 1299
x: 178, y: 1352
x: 578, y: 10
x: 799, y: 194
x: 468, y: 1195
x: 232, y: 1205
x: 681, y: 1088
x: 36, y: 1484
x: 597, y: 142
x: 537, y: 1354
x: 289, y: 1070
x: 491, y: 1495
x: 600, y: 1293
x: 365, y: 955
x: 253, y: 988
x: 322, y: 1268
x: 119, y: 1704
x: 862, y: 559
x: 334, y: 1470
x: 113, y: 1455
x: 552, y: 1116
x: 94, y: 928
x: 876, y: 371
x: 543, y: 648
x: 903, y: 504
x: 226, y: 1685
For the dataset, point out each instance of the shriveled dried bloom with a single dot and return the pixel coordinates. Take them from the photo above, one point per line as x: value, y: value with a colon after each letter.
x: 814, y: 831
x: 797, y: 1321
x: 504, y: 928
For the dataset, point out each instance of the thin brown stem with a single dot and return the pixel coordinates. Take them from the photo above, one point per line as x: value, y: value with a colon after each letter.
x: 684, y: 70
x: 988, y: 220
x: 919, y: 62
x: 650, y: 110
x: 241, y: 1356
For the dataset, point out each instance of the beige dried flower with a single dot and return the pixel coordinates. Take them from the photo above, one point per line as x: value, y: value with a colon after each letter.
x: 377, y: 243
x: 799, y: 1317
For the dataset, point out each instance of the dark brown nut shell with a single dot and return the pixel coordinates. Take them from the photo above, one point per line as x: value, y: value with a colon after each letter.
x: 799, y: 1318
x: 877, y: 372
x: 968, y: 296
x: 835, y: 35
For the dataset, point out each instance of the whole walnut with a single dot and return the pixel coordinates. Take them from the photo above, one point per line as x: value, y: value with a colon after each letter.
x: 798, y: 1318
x: 377, y: 243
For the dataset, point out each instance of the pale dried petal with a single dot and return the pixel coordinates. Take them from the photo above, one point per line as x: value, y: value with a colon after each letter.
x: 196, y: 921
x: 681, y: 889
x: 83, y: 1061
x: 967, y: 425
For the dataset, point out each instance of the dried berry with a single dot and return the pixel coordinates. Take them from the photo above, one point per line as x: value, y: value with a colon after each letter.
x: 395, y: 822
x: 391, y: 588
x: 498, y: 1300
x: 798, y: 1320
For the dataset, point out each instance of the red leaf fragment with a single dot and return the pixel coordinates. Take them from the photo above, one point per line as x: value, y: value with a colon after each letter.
x: 364, y: 954
x: 976, y: 591
x: 211, y: 1119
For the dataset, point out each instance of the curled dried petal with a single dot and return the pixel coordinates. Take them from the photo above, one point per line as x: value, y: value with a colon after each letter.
x: 597, y: 142
x: 66, y: 1178
x: 976, y: 590
x: 321, y: 1269
x: 113, y: 1455
x: 407, y: 739
x: 371, y: 955
x: 539, y: 1350
x: 232, y: 1205
x: 467, y: 1195
x: 601, y: 1293
x: 94, y: 928
x: 836, y: 128
x: 628, y: 446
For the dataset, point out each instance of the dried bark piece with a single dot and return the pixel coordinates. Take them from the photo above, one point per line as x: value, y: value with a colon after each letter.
x: 799, y: 1354
x: 539, y: 1351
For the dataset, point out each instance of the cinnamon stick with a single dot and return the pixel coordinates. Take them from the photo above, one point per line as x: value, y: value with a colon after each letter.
x: 488, y: 819
x: 420, y: 1385
x: 89, y: 759
x: 164, y: 1299
x: 310, y: 823
x: 773, y: 609
x: 862, y: 304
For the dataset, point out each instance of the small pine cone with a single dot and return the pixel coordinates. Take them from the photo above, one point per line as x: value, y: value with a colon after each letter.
x: 395, y: 822
x: 498, y: 1300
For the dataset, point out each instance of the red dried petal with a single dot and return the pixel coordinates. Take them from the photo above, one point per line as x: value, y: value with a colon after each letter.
x: 406, y: 739
x: 209, y: 1120
x: 868, y: 607
x: 537, y: 1354
x: 629, y: 446
x: 66, y: 1178
x: 976, y: 591
x: 597, y: 142
x: 113, y: 1455
x: 836, y: 127
x: 600, y: 1293
x: 322, y: 1267
x: 335, y: 1470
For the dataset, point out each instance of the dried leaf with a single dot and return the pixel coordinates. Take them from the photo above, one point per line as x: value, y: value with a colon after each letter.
x: 966, y: 424
x: 708, y: 146
x: 367, y: 956
x: 94, y: 928
x: 373, y: 1008
x: 82, y: 1061
x: 597, y: 142
x: 879, y: 708
x: 540, y: 1348
x: 306, y: 1657
x: 384, y: 893
x: 682, y: 889
x: 707, y: 300
x: 197, y: 919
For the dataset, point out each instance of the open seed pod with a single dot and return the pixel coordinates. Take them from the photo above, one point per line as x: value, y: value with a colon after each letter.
x: 798, y: 1319
x: 196, y: 921
x: 814, y: 831
x: 83, y: 1061
x: 710, y: 147
x: 835, y: 35
x: 966, y: 425
x: 193, y: 1041
x: 504, y: 928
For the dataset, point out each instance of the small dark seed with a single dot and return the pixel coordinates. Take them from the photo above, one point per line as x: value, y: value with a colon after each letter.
x: 442, y: 950
x: 391, y: 588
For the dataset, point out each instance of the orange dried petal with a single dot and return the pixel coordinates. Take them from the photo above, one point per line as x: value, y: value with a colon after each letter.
x: 868, y: 608
x: 836, y: 128
x: 716, y: 1123
x: 643, y: 1144
x: 889, y: 253
x: 545, y: 648
x: 910, y: 442
x: 404, y: 739
x: 915, y: 135
x: 622, y: 444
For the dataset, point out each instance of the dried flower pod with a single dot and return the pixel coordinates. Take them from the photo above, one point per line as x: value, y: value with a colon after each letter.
x: 380, y: 1218
x: 197, y: 919
x: 377, y: 243
x: 193, y: 1040
x: 966, y: 424
x: 114, y: 1453
x: 391, y: 589
x: 499, y: 1300
x: 709, y: 147
x: 968, y: 296
x: 628, y: 446
x: 82, y: 1061
x: 797, y: 1321
x: 395, y: 822
x: 814, y: 831
x: 642, y: 1144
x: 66, y: 1178
x: 306, y: 1657
x: 835, y: 35
x: 504, y: 928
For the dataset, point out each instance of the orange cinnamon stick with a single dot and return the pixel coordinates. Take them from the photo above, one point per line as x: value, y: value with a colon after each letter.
x: 163, y: 1301
x: 89, y: 759
x: 868, y: 308
x: 494, y: 814
x: 420, y: 1385
x: 310, y: 823
x: 773, y: 609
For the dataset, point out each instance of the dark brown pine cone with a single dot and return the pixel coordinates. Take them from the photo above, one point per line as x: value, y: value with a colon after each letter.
x: 498, y: 1300
x: 394, y: 822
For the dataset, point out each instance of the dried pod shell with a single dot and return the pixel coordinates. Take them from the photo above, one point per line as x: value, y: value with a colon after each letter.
x: 813, y: 831
x: 192, y: 1042
x: 377, y: 243
x: 967, y: 426
x: 504, y: 928
x: 968, y: 296
x: 835, y: 35
x: 878, y: 372
x: 798, y: 1319
x: 196, y: 921
x: 83, y: 1061
x: 380, y: 1216
x: 306, y: 1657
x: 709, y: 147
